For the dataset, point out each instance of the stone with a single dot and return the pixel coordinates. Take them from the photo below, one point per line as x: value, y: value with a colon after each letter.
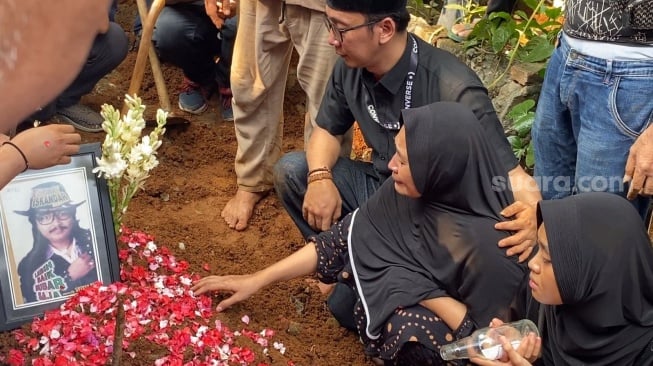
x: 527, y: 73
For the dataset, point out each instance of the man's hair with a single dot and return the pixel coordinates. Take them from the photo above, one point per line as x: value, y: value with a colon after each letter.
x: 401, y: 18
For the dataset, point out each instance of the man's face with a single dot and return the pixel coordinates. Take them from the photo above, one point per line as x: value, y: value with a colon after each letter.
x: 351, y: 35
x: 55, y: 225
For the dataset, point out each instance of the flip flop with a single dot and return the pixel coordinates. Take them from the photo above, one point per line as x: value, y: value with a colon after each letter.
x: 460, y: 35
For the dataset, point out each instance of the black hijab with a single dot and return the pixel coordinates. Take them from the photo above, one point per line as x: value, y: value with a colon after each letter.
x: 404, y: 250
x: 603, y: 263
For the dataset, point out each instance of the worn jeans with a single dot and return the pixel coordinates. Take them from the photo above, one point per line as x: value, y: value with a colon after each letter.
x: 589, y: 114
x: 356, y: 181
x: 107, y: 52
x: 185, y: 37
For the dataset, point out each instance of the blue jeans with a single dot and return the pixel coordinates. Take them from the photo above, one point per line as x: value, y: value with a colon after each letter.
x: 185, y: 37
x: 356, y: 181
x: 589, y: 114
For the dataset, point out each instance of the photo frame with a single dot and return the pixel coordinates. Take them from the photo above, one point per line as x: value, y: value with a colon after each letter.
x: 41, y: 211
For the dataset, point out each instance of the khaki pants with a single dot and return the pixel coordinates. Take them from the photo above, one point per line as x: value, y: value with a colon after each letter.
x: 258, y: 80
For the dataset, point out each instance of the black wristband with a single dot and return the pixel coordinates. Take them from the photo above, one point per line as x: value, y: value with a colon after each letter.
x: 19, y: 151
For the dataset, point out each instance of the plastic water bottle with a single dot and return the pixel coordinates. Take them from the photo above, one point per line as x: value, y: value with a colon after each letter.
x: 486, y: 342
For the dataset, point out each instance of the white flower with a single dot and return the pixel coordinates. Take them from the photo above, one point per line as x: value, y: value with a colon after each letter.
x: 127, y: 158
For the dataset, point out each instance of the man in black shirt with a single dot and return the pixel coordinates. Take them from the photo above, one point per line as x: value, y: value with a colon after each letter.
x: 382, y: 70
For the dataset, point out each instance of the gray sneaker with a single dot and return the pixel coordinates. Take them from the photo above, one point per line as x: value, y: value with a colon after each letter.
x: 82, y: 117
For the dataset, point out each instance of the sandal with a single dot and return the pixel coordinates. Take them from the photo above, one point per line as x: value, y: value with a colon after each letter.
x: 460, y: 32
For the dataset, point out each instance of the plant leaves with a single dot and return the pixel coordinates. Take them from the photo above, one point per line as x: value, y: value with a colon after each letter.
x: 520, y: 109
x: 515, y: 143
x: 537, y: 49
x: 530, y: 156
x: 500, y: 37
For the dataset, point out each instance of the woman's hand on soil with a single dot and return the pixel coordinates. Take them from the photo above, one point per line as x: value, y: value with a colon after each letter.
x: 524, y: 225
x: 242, y: 288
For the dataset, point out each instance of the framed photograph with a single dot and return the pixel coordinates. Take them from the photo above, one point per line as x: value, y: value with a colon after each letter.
x: 56, y: 236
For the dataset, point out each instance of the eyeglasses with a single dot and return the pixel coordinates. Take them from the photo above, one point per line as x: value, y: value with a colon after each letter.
x: 47, y: 217
x: 338, y: 33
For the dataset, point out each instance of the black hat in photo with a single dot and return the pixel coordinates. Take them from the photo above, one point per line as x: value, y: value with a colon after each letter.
x: 48, y: 196
x: 368, y: 6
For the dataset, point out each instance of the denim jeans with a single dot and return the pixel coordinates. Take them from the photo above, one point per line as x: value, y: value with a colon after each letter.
x: 589, y: 114
x: 107, y: 52
x: 356, y: 181
x: 185, y: 36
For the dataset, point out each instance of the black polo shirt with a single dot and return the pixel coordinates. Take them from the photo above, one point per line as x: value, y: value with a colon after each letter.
x: 439, y: 76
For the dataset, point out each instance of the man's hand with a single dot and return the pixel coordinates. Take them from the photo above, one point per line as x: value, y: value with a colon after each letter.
x: 81, y: 266
x: 524, y: 224
x: 219, y: 10
x: 639, y: 166
x: 322, y: 204
x: 242, y: 287
x: 49, y: 145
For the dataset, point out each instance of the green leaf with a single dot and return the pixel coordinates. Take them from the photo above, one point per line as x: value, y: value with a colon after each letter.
x: 522, y: 125
x: 500, y: 37
x: 530, y: 156
x: 522, y: 14
x: 520, y: 109
x: 499, y: 15
x: 532, y: 4
x: 537, y: 49
x: 515, y: 142
x: 552, y: 12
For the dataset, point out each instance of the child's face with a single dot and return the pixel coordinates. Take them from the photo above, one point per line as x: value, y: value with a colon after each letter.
x: 542, y: 278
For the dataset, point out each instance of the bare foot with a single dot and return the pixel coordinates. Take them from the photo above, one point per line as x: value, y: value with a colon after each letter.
x: 237, y: 212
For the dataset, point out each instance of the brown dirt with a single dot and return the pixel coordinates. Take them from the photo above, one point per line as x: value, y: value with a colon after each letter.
x: 182, y: 201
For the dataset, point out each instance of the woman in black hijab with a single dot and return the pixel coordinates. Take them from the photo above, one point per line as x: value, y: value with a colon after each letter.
x: 594, y: 275
x: 422, y: 253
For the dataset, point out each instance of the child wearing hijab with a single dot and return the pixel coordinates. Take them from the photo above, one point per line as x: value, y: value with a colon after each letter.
x: 593, y: 274
x: 421, y: 253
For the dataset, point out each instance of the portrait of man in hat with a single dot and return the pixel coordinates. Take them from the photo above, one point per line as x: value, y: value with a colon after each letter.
x: 62, y: 257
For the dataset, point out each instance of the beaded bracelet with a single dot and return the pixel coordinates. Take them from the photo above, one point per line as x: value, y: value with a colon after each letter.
x: 317, y: 170
x: 319, y: 176
x: 19, y: 151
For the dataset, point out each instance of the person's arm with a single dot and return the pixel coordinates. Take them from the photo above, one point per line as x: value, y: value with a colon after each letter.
x: 524, y: 187
x: 42, y: 147
x: 218, y: 10
x: 322, y: 203
x: 522, y: 212
x: 300, y: 263
x: 639, y: 166
x: 11, y: 164
x: 450, y: 310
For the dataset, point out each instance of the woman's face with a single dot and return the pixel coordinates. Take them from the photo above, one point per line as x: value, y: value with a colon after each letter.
x: 404, y: 183
x: 542, y: 278
x: 55, y: 225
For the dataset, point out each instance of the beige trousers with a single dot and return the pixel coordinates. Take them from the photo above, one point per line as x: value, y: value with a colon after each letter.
x: 258, y: 80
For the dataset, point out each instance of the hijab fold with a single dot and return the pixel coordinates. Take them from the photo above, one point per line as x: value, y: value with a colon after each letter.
x: 603, y: 264
x: 404, y: 250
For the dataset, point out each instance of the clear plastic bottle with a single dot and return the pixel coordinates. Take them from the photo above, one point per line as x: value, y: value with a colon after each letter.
x: 485, y: 343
